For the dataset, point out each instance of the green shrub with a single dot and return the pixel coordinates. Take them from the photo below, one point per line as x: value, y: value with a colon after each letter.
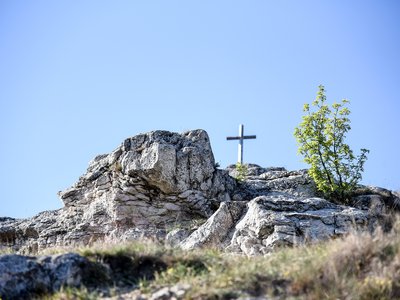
x: 333, y: 166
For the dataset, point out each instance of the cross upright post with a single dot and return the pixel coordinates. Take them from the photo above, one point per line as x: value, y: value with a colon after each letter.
x: 241, y: 137
x: 240, y: 146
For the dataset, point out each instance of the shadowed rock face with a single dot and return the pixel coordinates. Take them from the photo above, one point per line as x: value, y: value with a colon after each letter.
x: 25, y: 277
x: 161, y: 180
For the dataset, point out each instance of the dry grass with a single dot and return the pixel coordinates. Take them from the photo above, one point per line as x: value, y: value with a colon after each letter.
x: 358, y: 266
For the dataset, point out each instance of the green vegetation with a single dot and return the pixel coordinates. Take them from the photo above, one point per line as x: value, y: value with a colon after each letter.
x: 73, y: 294
x: 116, y: 167
x: 358, y: 266
x: 333, y: 166
x: 241, y: 170
x: 6, y: 250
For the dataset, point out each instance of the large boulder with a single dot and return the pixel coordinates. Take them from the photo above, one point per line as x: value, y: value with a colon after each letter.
x: 148, y: 184
x: 24, y: 277
x: 267, y: 222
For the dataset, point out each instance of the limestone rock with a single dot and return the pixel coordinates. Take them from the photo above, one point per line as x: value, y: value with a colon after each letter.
x: 176, y: 236
x: 379, y: 198
x: 215, y: 231
x: 151, y: 181
x: 283, y: 209
x: 277, y: 220
x: 175, y: 292
x: 22, y: 277
x: 261, y: 181
x: 161, y: 180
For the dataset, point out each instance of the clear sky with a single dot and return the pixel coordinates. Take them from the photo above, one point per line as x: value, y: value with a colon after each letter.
x: 78, y: 77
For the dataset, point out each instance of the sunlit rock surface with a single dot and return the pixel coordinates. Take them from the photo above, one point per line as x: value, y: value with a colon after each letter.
x: 165, y: 186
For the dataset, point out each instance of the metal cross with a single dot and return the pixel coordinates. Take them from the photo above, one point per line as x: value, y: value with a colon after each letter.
x: 241, y: 137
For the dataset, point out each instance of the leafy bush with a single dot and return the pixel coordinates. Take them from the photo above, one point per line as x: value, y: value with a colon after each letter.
x: 333, y: 166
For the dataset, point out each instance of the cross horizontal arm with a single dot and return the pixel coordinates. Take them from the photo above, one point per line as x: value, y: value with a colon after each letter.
x: 247, y: 137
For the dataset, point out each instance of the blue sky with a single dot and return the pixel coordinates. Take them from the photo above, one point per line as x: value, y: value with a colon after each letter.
x: 78, y: 77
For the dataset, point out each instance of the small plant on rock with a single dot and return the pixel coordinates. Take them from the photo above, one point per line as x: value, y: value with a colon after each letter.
x: 241, y: 171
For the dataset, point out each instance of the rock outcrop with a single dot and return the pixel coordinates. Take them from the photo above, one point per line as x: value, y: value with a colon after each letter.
x: 143, y: 188
x: 287, y: 213
x: 165, y: 186
x: 267, y: 222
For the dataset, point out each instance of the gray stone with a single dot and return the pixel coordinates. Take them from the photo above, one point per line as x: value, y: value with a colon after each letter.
x: 160, y: 180
x: 151, y: 180
x: 213, y: 232
x: 169, y: 293
x: 162, y: 294
x: 25, y: 277
x: 274, y: 221
x: 22, y: 277
x: 176, y: 236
